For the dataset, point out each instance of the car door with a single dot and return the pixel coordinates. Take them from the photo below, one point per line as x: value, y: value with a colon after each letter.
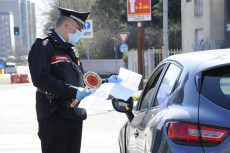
x: 153, y: 120
x: 135, y: 139
x: 144, y: 128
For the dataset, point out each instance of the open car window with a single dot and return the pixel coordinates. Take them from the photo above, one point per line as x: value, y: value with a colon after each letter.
x: 167, y: 84
x: 150, y: 89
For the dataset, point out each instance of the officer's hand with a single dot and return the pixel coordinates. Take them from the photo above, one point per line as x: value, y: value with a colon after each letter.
x: 114, y: 79
x: 81, y: 93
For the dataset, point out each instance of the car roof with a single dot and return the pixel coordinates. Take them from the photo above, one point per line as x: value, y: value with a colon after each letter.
x: 202, y: 60
x: 10, y: 63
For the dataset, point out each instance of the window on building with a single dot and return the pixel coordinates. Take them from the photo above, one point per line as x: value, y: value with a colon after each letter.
x: 199, y: 36
x: 199, y: 40
x: 198, y: 7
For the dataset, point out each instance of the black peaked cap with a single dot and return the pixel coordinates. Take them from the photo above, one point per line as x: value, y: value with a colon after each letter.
x: 79, y: 17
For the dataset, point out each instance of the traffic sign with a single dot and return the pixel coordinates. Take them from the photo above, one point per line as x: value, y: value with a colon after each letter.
x: 116, y: 55
x: 124, y: 48
x: 139, y: 10
x: 87, y: 25
x: 123, y: 36
x: 2, y: 65
x: 87, y: 31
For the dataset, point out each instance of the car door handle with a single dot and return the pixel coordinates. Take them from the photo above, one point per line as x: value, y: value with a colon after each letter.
x: 136, y: 134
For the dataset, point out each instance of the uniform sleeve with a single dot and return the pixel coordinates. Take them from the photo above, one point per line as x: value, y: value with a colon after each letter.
x: 40, y: 70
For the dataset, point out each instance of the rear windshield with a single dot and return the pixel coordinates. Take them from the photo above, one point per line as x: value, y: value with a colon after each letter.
x: 216, y: 86
x: 10, y: 66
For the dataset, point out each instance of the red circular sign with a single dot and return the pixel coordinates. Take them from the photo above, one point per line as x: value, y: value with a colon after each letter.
x: 92, y: 80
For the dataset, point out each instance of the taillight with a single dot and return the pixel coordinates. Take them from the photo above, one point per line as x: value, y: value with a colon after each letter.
x: 212, y: 134
x: 183, y: 131
x: 189, y: 132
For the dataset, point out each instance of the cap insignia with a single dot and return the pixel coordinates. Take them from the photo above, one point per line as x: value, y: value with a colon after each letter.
x: 79, y: 20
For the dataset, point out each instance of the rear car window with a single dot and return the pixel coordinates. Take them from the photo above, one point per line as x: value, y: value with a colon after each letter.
x: 216, y: 86
x: 10, y: 66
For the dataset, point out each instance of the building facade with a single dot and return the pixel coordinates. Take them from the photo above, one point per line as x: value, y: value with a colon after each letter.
x: 7, y: 39
x: 24, y: 25
x: 33, y: 22
x: 203, y: 25
x: 23, y: 12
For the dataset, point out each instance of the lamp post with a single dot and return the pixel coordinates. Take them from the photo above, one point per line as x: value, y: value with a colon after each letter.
x: 226, y: 24
x: 165, y: 28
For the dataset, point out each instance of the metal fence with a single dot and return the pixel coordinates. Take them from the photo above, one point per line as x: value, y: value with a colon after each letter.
x: 175, y: 51
x: 152, y: 58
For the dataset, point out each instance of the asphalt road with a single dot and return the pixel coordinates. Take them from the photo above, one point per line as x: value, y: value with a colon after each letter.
x: 18, y: 124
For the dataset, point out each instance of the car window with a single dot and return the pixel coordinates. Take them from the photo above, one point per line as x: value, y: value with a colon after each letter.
x: 149, y: 91
x: 216, y: 86
x: 10, y: 66
x: 225, y: 84
x: 167, y: 84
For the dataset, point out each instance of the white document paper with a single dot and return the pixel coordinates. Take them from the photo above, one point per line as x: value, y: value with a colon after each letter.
x: 97, y: 99
x: 128, y: 86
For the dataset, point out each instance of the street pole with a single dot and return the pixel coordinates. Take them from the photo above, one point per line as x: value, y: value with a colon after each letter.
x: 140, y: 51
x: 88, y: 48
x: 165, y: 28
x: 59, y: 3
x: 116, y: 55
x: 143, y: 53
x: 226, y: 24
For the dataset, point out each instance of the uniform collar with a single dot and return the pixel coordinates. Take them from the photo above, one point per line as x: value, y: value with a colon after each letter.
x: 61, y: 37
x: 57, y: 40
x: 54, y: 36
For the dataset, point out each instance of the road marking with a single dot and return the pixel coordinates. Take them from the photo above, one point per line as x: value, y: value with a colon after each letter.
x: 11, y: 112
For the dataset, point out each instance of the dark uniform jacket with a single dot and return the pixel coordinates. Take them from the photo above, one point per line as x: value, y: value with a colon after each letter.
x: 52, y: 72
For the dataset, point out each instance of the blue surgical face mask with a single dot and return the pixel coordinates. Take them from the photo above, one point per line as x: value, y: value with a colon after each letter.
x: 74, y: 37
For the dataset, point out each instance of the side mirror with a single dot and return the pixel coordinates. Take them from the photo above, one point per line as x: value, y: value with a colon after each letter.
x: 124, y: 107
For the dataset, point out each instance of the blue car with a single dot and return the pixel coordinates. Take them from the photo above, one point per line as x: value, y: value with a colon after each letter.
x: 184, y: 107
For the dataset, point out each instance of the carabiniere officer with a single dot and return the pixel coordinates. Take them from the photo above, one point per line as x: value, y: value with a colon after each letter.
x: 58, y: 75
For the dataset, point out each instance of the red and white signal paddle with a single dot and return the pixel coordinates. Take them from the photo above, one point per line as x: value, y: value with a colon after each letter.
x: 92, y: 81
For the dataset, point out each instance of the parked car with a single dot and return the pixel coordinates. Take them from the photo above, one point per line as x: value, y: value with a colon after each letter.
x: 11, y: 58
x: 184, y: 107
x: 10, y: 68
